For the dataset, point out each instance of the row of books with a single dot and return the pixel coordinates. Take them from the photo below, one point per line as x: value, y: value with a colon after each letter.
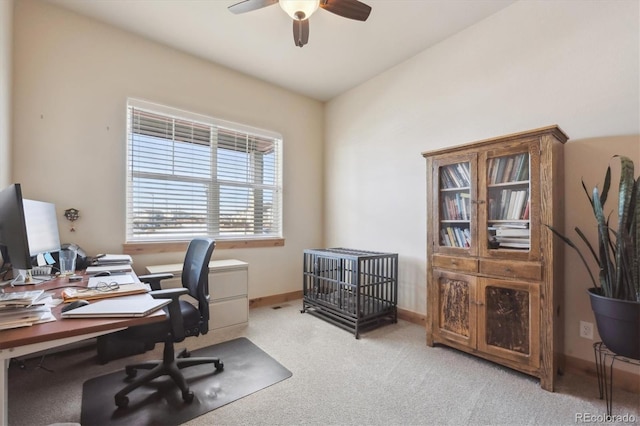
x: 454, y: 236
x: 456, y: 206
x: 455, y: 176
x: 509, y: 204
x: 24, y: 308
x: 514, y: 168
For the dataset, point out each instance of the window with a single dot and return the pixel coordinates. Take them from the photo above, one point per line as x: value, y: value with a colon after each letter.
x: 190, y: 175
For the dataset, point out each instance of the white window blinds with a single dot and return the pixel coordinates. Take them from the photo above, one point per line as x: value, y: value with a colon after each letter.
x: 190, y: 175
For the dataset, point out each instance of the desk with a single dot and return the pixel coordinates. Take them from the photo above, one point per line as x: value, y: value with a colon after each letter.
x: 26, y: 340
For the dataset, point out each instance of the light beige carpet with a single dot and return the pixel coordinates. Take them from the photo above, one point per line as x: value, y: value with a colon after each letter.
x: 387, y: 377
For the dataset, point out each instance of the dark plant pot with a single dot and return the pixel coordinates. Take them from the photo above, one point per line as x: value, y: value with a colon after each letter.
x: 618, y: 323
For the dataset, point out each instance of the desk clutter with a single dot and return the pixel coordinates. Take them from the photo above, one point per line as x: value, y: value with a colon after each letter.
x: 110, y: 275
x: 110, y: 263
x: 103, y: 290
x: 24, y: 308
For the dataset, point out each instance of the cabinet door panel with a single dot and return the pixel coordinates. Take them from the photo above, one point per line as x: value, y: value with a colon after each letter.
x: 509, y: 320
x: 456, y: 308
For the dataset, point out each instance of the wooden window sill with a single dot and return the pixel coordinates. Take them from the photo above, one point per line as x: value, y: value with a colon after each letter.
x: 180, y: 246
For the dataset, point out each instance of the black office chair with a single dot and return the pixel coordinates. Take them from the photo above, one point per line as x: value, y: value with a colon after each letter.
x: 183, y: 320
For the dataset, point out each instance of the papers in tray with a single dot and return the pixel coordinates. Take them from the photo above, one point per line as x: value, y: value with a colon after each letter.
x: 20, y: 298
x: 39, y: 312
x: 23, y: 317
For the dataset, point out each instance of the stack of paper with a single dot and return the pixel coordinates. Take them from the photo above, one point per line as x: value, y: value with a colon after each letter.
x: 111, y: 259
x: 20, y: 299
x: 513, y: 235
x: 112, y: 263
x: 23, y: 308
x: 22, y: 317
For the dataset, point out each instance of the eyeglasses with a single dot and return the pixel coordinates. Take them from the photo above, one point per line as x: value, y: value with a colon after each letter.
x: 105, y: 287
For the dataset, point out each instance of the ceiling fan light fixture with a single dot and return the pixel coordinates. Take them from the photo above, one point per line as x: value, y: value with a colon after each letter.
x: 299, y: 9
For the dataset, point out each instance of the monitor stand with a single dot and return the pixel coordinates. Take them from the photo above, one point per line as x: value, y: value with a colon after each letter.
x: 24, y: 277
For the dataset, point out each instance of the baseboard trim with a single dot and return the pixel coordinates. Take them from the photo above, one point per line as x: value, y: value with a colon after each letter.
x: 624, y: 380
x: 412, y: 317
x: 275, y: 299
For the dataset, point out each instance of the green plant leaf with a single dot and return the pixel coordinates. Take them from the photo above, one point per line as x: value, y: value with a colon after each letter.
x: 607, y: 269
x: 573, y: 246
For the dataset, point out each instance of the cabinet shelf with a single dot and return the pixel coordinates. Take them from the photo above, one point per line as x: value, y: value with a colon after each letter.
x: 489, y: 290
x: 461, y: 189
x: 509, y: 184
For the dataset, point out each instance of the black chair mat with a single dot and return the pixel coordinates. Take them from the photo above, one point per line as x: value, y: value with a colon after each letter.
x: 247, y: 369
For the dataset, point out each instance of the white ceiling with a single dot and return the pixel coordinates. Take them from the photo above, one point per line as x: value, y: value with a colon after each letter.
x: 341, y: 53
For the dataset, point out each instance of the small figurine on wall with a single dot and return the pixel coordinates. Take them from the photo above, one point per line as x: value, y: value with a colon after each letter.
x: 72, y: 215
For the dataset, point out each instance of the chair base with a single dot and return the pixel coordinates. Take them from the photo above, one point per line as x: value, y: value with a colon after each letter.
x: 168, y: 366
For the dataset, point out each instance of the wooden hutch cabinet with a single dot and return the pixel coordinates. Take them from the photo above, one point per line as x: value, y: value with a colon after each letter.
x: 494, y: 269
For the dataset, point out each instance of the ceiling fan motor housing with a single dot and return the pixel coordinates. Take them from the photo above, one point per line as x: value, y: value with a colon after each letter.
x: 299, y: 9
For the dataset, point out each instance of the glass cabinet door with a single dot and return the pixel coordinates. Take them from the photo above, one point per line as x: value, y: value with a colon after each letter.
x: 456, y: 216
x: 508, y: 198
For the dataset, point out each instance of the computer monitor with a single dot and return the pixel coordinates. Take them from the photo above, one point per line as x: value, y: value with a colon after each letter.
x: 27, y: 228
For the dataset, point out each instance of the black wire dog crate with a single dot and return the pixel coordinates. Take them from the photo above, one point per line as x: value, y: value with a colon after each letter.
x: 353, y: 289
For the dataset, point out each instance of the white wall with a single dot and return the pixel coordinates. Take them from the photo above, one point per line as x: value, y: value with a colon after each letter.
x: 6, y: 42
x: 72, y: 78
x: 533, y: 64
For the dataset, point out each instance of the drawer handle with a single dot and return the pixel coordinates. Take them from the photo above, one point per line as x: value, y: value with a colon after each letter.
x: 508, y: 270
x: 454, y: 263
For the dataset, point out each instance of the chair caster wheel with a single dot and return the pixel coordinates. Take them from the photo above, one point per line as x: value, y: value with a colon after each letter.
x: 187, y: 397
x: 131, y: 372
x: 122, y: 401
x: 219, y: 366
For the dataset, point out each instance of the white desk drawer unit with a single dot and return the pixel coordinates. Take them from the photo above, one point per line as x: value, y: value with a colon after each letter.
x: 228, y: 290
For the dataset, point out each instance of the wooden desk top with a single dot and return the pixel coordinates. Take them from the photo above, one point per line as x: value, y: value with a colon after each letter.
x: 68, y: 327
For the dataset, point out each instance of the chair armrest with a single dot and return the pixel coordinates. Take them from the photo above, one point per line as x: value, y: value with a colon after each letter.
x: 175, y: 313
x: 154, y: 279
x: 169, y: 293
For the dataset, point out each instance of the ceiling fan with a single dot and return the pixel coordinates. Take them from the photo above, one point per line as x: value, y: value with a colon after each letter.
x: 301, y: 10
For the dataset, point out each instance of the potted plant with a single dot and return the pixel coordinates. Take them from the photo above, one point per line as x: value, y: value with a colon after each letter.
x: 615, y: 295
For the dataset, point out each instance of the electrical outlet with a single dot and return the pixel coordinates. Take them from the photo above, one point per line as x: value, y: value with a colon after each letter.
x: 586, y: 330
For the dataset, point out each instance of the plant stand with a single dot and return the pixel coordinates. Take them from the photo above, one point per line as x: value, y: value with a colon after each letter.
x: 605, y: 384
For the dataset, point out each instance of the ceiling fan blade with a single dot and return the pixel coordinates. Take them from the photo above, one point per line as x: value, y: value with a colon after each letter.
x: 300, y: 32
x: 352, y: 9
x: 249, y: 5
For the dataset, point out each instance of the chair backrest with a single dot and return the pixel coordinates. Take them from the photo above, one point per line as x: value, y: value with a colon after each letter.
x: 195, y: 275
